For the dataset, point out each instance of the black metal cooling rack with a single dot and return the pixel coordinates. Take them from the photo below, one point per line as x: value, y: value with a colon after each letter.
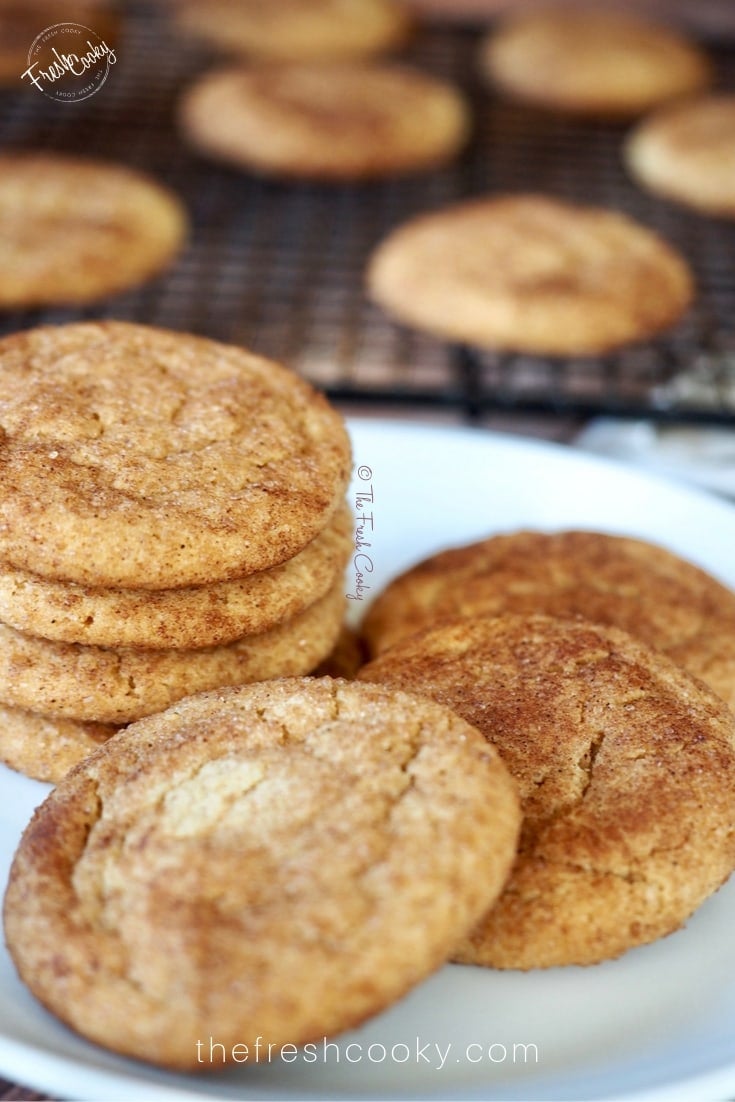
x: 278, y: 267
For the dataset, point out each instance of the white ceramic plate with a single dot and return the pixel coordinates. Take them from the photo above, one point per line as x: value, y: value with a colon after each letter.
x: 658, y: 1023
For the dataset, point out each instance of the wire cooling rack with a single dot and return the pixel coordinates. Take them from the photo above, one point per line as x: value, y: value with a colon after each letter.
x: 279, y: 267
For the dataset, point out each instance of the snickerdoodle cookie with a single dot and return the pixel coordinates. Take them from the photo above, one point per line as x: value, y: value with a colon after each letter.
x: 196, y: 616
x: 586, y: 61
x: 297, y: 30
x: 530, y: 273
x: 119, y: 684
x: 632, y: 584
x: 687, y: 153
x: 271, y: 863
x: 46, y: 748
x: 74, y: 230
x: 325, y: 121
x: 137, y: 457
x: 626, y: 767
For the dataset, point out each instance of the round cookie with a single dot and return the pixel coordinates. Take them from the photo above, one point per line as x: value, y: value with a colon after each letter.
x: 45, y: 748
x: 663, y: 600
x: 137, y: 457
x: 117, y: 685
x: 529, y: 273
x: 325, y: 121
x: 601, y: 63
x: 687, y: 153
x: 297, y: 30
x: 270, y: 864
x: 183, y: 619
x: 626, y: 768
x: 74, y: 230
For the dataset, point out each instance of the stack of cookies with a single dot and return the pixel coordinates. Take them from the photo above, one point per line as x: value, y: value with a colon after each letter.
x: 172, y: 520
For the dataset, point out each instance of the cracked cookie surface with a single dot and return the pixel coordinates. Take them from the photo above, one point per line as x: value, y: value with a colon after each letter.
x: 660, y: 598
x: 626, y: 769
x: 74, y: 230
x: 142, y: 458
x: 281, y: 860
x: 120, y: 684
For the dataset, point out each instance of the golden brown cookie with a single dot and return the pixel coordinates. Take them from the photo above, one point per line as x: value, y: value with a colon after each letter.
x: 74, y: 230
x: 626, y: 767
x: 45, y: 748
x: 662, y: 599
x: 137, y: 457
x: 119, y: 684
x: 297, y: 30
x: 687, y: 153
x: 325, y: 121
x: 530, y: 273
x: 267, y: 865
x: 598, y: 62
x: 197, y: 616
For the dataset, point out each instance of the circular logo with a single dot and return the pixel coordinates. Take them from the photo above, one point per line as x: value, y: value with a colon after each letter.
x: 68, y: 62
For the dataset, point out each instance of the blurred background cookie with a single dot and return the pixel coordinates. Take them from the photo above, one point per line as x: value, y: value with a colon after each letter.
x: 530, y: 273
x: 74, y: 230
x: 297, y: 30
x: 591, y: 61
x: 325, y: 121
x: 686, y: 152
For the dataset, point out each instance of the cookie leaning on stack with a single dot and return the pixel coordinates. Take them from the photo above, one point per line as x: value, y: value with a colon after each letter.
x: 271, y: 863
x: 140, y: 462
x: 626, y: 768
